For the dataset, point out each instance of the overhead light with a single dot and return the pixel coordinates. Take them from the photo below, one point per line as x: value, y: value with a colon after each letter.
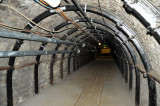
x: 53, y: 3
x: 99, y: 44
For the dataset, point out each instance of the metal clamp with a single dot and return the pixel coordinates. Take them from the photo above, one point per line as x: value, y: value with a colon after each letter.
x: 85, y: 8
x: 30, y: 24
x: 145, y: 75
x: 78, y: 51
x: 83, y: 45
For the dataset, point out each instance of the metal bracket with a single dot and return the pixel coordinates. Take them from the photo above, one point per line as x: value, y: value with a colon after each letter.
x: 30, y: 25
x: 83, y: 45
x: 78, y: 51
x: 145, y: 75
x: 85, y: 8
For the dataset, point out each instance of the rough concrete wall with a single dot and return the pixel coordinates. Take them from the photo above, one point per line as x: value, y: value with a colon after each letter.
x: 156, y: 3
x: 149, y: 44
x: 24, y: 77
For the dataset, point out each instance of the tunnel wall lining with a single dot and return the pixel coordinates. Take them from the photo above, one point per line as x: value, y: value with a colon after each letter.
x: 140, y: 31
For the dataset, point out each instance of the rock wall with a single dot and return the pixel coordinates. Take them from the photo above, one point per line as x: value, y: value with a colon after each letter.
x: 23, y: 77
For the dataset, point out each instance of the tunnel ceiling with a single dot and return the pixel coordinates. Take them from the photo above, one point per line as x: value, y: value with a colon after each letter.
x: 78, y: 28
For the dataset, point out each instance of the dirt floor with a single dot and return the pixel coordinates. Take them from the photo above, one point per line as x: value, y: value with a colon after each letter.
x: 99, y: 83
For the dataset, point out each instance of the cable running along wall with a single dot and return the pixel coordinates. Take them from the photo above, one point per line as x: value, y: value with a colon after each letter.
x: 119, y: 37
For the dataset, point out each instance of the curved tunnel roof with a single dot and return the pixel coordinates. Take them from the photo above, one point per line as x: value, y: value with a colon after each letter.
x: 118, y: 35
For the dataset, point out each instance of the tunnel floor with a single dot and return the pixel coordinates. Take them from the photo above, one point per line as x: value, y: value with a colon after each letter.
x: 99, y: 83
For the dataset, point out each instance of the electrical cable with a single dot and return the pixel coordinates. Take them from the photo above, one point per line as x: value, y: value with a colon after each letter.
x: 58, y: 11
x: 8, y: 6
x: 3, y: 68
x: 25, y: 30
x: 44, y: 4
x: 72, y: 21
x: 67, y: 19
x: 99, y: 5
x: 29, y: 31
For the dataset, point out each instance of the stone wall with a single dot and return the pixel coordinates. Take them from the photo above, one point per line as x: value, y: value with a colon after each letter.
x: 23, y: 79
x: 148, y: 42
x: 25, y: 76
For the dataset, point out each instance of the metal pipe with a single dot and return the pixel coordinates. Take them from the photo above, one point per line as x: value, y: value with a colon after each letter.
x: 6, y: 54
x: 32, y: 37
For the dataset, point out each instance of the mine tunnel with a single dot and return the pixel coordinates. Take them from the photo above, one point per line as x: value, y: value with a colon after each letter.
x: 79, y: 53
